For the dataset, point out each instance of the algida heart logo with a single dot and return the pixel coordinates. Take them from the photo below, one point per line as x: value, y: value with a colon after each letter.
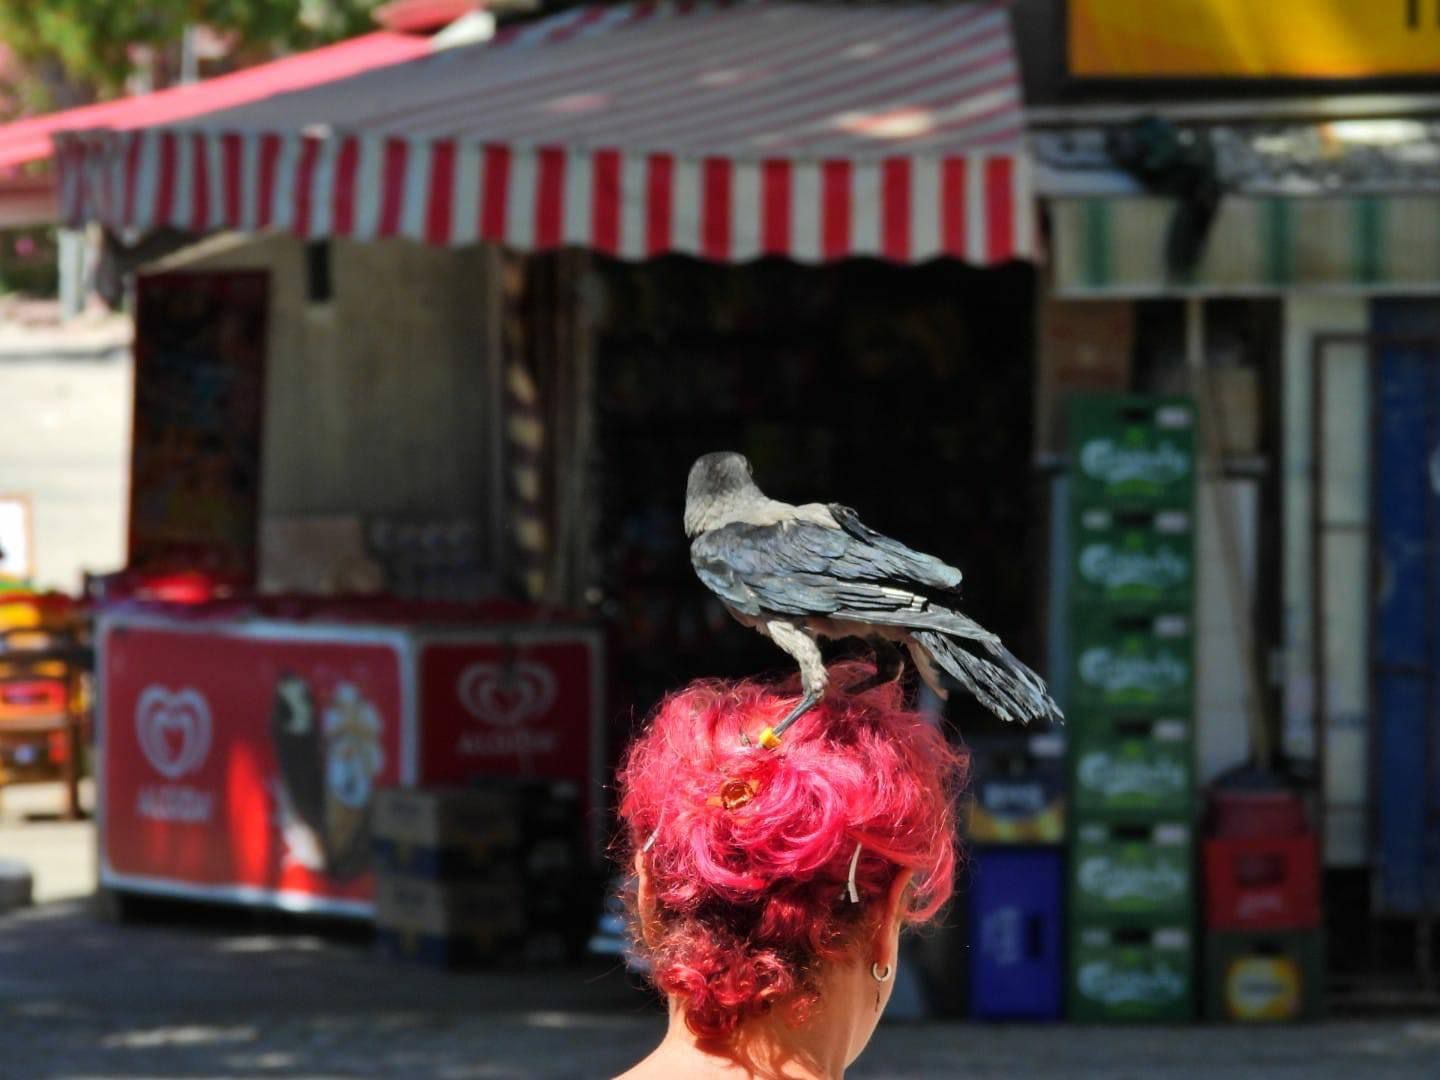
x: 174, y: 729
x: 506, y: 695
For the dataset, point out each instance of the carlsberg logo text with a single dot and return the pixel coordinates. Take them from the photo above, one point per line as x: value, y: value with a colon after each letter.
x: 1099, y: 981
x: 1116, y: 881
x: 1107, y: 565
x: 1123, y: 777
x: 1121, y: 672
x: 1114, y: 464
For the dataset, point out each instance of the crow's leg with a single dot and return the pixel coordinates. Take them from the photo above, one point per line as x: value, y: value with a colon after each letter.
x: 808, y: 702
x: 813, y: 676
x: 889, y: 666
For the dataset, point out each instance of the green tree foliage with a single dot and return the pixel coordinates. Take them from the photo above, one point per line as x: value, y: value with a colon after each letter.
x: 90, y: 44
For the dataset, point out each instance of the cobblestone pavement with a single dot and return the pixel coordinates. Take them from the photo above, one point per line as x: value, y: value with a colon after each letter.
x: 221, y: 995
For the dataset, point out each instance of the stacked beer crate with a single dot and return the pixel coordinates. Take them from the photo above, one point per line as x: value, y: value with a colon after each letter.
x: 1130, y: 696
x: 489, y: 875
x: 1264, y: 931
x: 1016, y: 878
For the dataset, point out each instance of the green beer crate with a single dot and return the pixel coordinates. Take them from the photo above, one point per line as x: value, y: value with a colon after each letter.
x: 1129, y: 974
x: 1121, y: 660
x: 1131, y: 450
x: 1264, y: 976
x: 1133, y: 559
x: 1132, y: 874
x: 1134, y: 767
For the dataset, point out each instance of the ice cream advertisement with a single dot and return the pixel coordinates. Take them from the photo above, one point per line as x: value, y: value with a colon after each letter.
x: 252, y: 773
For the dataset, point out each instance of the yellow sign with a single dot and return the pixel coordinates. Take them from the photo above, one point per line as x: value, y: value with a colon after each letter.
x: 1263, y: 988
x: 1254, y: 39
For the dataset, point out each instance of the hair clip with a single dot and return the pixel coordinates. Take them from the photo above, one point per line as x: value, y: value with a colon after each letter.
x: 734, y: 794
x: 650, y: 841
x: 850, y: 888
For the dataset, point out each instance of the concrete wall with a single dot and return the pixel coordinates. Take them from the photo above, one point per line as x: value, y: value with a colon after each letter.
x: 65, y: 407
x: 379, y: 401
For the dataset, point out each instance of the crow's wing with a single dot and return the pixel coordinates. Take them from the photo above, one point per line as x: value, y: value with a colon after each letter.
x: 897, y: 560
x: 800, y: 568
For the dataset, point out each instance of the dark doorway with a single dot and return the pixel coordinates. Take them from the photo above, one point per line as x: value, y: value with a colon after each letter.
x: 905, y: 392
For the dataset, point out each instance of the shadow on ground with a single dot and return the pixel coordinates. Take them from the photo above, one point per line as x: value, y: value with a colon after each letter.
x: 213, y: 992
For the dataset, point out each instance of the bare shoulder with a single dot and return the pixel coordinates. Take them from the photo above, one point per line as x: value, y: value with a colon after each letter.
x: 672, y: 1065
x: 651, y: 1069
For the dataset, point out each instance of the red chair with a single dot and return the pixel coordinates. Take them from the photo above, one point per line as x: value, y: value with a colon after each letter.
x: 44, y: 709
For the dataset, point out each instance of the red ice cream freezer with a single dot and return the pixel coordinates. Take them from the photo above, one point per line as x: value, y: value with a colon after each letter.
x: 238, y: 757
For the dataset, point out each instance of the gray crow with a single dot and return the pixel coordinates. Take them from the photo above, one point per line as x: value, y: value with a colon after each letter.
x: 798, y: 574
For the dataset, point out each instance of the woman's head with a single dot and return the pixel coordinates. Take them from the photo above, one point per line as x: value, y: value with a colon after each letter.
x: 745, y: 854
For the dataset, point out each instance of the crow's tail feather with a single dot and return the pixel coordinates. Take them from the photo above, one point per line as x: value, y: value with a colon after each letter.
x: 998, y: 681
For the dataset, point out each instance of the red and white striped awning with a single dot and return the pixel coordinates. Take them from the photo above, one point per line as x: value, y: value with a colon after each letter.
x: 726, y: 131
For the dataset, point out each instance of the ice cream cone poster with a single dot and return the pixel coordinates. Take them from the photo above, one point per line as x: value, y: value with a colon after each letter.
x: 239, y: 764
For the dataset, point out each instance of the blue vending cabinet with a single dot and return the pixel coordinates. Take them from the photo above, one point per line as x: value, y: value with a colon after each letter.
x: 1406, y: 627
x: 1016, y: 925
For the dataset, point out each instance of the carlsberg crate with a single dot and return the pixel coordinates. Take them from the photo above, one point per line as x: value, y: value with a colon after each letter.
x: 1133, y: 767
x: 1136, y: 875
x: 1132, y: 559
x: 1128, y: 450
x: 1125, y: 660
x: 1127, y: 974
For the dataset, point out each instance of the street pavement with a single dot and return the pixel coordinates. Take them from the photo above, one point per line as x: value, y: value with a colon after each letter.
x: 209, y: 993
x: 60, y: 854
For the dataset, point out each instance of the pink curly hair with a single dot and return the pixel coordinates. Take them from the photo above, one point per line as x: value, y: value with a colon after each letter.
x: 750, y: 903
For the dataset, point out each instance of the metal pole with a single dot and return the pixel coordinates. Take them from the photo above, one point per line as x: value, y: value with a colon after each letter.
x: 1320, y: 704
x: 494, y: 359
x: 190, y: 55
x: 71, y: 257
x: 1195, y: 334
